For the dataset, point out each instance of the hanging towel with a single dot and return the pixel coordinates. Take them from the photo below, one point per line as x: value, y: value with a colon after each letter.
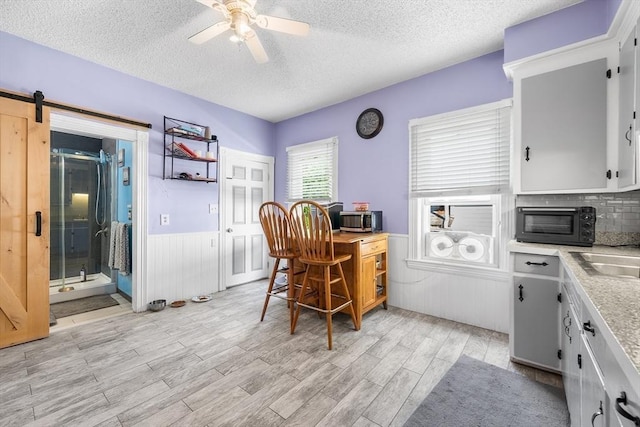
x: 112, y: 243
x: 119, y: 256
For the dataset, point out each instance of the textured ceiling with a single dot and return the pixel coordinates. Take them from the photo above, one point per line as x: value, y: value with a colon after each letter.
x: 354, y: 46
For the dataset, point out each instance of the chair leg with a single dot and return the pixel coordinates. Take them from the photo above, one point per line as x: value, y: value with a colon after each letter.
x: 348, y: 296
x: 271, y: 282
x: 303, y: 290
x: 291, y: 293
x: 327, y: 304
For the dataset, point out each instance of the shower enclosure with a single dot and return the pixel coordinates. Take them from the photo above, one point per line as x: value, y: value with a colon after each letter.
x: 81, y: 212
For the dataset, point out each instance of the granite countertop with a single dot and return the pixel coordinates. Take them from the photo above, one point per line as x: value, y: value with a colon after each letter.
x: 616, y: 299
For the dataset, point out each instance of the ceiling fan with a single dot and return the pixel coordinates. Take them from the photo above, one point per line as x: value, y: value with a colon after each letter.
x: 240, y: 15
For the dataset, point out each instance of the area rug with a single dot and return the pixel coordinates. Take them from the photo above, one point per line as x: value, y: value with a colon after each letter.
x: 475, y: 393
x: 82, y: 305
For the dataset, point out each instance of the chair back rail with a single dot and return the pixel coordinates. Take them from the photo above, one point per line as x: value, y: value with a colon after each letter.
x: 274, y: 219
x: 312, y: 230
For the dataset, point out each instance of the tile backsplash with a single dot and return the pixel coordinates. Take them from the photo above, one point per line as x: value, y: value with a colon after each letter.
x: 618, y: 214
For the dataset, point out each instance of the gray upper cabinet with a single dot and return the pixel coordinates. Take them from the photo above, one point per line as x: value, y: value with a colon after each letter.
x: 627, y: 151
x: 563, y: 131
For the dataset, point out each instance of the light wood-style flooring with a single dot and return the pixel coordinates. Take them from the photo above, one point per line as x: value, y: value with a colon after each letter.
x: 215, y: 364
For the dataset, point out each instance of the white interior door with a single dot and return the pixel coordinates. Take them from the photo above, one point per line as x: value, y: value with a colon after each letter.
x: 246, y: 184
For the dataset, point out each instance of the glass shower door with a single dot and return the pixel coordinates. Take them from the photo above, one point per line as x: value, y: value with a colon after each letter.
x: 79, y: 211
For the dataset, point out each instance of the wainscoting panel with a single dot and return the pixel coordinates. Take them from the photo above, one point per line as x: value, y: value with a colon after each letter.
x: 475, y: 301
x: 181, y: 266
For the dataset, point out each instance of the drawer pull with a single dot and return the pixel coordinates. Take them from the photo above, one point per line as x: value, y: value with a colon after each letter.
x: 542, y: 264
x: 587, y: 327
x: 623, y: 399
x: 521, y: 297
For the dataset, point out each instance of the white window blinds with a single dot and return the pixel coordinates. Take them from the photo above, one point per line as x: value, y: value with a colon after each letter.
x: 312, y: 170
x: 460, y: 153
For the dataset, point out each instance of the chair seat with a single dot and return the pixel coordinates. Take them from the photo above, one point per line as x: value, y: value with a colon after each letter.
x: 284, y: 255
x: 337, y: 259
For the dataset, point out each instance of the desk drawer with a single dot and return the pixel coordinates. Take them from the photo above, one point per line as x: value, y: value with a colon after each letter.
x: 372, y: 248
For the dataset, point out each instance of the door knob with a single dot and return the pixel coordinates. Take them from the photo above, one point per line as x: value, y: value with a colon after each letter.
x: 229, y: 230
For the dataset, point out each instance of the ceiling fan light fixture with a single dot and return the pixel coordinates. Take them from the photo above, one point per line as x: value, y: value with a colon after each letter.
x: 240, y: 24
x: 240, y: 15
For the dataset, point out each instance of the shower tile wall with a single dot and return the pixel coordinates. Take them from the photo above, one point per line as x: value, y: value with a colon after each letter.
x: 618, y: 214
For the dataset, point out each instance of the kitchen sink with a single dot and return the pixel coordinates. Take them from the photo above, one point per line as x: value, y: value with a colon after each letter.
x: 609, y: 265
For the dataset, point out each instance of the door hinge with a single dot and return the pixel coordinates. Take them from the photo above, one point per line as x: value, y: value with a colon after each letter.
x: 560, y: 354
x: 634, y: 114
x: 609, y: 174
x: 580, y: 361
x: 609, y: 73
x: 618, y: 70
x: 560, y: 297
x: 635, y: 42
x: 617, y: 174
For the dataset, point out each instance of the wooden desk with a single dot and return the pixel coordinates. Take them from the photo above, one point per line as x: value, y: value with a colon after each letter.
x: 366, y: 271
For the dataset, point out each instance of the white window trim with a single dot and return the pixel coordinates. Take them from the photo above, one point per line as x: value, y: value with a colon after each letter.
x: 498, y: 272
x: 504, y: 223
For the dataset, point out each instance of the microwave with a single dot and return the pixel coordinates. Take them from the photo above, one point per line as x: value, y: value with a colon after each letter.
x: 556, y: 225
x: 361, y: 221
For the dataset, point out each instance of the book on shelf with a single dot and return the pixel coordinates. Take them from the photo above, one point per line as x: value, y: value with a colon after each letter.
x: 179, y: 151
x: 187, y: 149
x: 187, y: 130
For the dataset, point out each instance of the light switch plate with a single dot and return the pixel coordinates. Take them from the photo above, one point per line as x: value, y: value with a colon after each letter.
x: 164, y: 219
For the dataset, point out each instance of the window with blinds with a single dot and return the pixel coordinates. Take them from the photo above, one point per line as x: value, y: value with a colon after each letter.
x: 312, y: 171
x: 459, y: 187
x: 465, y: 152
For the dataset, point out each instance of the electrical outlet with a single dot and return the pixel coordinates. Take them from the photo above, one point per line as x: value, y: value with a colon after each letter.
x: 213, y: 208
x: 164, y: 219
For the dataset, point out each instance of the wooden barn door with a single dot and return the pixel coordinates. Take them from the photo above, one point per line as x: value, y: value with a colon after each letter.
x: 24, y: 223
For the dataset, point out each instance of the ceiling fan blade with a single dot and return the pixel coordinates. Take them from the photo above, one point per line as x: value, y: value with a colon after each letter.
x: 288, y: 26
x: 255, y: 47
x: 209, y: 33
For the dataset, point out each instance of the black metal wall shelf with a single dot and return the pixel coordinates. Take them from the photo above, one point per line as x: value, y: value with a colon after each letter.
x: 176, y: 132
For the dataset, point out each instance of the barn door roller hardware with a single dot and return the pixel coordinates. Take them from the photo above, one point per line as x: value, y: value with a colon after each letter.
x: 38, y: 100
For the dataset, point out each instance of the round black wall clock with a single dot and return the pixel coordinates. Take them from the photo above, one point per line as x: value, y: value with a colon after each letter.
x: 369, y: 123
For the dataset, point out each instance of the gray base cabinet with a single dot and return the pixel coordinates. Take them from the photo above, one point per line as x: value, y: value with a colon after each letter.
x: 534, y: 336
x: 570, y: 361
x: 592, y: 377
x: 593, y: 398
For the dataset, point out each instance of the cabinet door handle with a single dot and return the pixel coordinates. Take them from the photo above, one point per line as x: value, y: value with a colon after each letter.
x: 627, y: 135
x: 521, y: 297
x: 623, y: 400
x: 542, y: 264
x: 38, y: 223
x: 587, y: 327
x: 526, y: 150
x: 596, y: 414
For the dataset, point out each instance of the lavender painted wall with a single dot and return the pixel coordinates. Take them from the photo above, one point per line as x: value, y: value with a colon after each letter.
x: 26, y: 67
x: 581, y: 21
x: 375, y: 170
